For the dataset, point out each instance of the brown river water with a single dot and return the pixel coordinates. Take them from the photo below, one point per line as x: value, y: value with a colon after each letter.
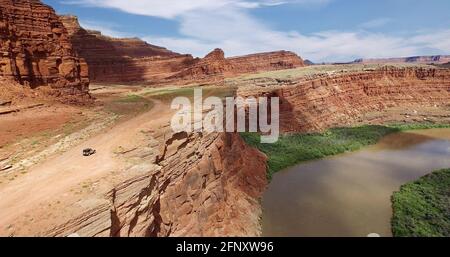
x: 349, y: 194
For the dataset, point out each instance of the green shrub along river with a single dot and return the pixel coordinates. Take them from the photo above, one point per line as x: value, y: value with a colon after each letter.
x: 296, y: 148
x: 422, y: 208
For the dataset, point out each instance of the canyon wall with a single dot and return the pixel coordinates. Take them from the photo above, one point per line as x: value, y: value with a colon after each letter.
x: 270, y: 61
x: 122, y: 60
x: 197, y: 185
x: 36, y: 50
x: 131, y: 60
x: 317, y: 102
x: 215, y: 67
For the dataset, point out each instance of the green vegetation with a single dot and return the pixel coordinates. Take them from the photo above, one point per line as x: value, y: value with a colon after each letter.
x: 416, y: 126
x: 422, y: 208
x: 129, y: 105
x: 168, y: 94
x: 295, y: 148
x: 130, y: 99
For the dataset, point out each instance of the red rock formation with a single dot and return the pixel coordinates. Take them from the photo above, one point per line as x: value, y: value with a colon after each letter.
x: 36, y: 51
x: 128, y: 60
x: 215, y: 193
x: 205, y: 185
x: 215, y: 67
x: 253, y: 63
x: 122, y: 60
x: 324, y: 101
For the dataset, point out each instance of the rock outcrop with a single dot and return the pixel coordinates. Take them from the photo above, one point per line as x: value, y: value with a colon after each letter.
x: 198, y: 185
x: 215, y: 67
x: 122, y: 60
x: 270, y: 61
x: 36, y: 50
x: 315, y: 103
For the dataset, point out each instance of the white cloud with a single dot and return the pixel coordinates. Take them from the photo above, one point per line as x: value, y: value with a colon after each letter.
x: 107, y: 29
x: 228, y: 24
x: 172, y: 8
x: 433, y: 39
x: 375, y: 23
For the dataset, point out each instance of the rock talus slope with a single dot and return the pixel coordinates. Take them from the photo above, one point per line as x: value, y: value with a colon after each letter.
x: 36, y: 50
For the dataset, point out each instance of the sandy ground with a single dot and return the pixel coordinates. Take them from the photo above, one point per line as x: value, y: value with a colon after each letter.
x: 27, y: 123
x: 31, y: 197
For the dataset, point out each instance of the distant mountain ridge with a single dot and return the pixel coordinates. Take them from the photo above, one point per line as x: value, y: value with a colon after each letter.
x: 433, y: 59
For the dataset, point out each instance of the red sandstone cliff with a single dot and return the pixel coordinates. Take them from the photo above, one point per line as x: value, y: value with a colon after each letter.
x: 270, y: 61
x: 36, y: 50
x: 200, y: 185
x: 214, y: 66
x: 128, y: 60
x: 323, y: 101
x: 122, y: 60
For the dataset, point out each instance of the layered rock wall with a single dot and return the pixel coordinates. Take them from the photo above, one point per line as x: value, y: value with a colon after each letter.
x: 36, y: 51
x: 271, y: 61
x: 215, y: 67
x: 204, y: 185
x: 128, y: 60
x: 319, y: 102
x: 122, y: 60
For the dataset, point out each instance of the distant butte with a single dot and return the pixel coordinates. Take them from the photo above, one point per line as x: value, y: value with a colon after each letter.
x: 435, y: 59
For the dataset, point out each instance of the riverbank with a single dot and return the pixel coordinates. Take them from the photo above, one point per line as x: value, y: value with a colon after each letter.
x: 422, y: 208
x: 292, y: 149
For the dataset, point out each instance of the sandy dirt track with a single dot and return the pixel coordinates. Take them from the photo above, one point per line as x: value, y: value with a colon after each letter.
x: 59, y: 173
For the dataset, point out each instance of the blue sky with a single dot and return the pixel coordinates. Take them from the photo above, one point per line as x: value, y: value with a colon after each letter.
x: 319, y: 30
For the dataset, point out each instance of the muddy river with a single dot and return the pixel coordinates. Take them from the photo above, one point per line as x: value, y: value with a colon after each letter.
x: 349, y: 194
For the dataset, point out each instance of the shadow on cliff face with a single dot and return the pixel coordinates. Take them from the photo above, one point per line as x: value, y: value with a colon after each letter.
x: 123, y: 60
x: 106, y: 63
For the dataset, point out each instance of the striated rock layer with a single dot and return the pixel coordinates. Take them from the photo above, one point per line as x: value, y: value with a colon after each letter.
x: 204, y: 185
x: 279, y: 60
x: 36, y: 50
x: 323, y: 101
x: 214, y: 66
x: 129, y: 60
x: 122, y: 60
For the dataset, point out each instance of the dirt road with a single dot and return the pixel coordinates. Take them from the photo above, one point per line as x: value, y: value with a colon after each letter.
x: 58, y: 174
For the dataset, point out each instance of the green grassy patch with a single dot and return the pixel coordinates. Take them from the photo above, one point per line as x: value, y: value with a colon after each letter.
x: 296, y: 148
x: 168, y: 94
x: 422, y: 208
x: 129, y: 105
x: 130, y: 99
